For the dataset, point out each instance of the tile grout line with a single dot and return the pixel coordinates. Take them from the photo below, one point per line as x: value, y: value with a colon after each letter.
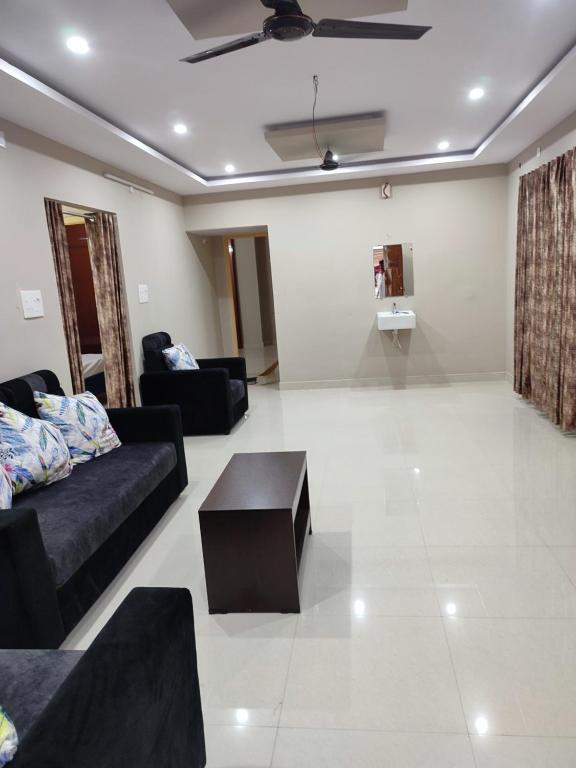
x: 452, y: 665
x: 273, y: 752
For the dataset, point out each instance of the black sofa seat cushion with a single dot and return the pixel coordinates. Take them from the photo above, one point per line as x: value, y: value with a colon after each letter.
x: 78, y: 514
x: 237, y: 390
x: 29, y: 679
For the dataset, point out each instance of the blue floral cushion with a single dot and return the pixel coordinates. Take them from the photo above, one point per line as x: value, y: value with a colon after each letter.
x: 5, y: 489
x: 31, y: 451
x: 8, y: 739
x: 179, y: 358
x: 83, y: 422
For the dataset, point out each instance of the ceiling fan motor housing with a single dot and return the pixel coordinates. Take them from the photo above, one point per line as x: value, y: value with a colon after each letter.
x: 288, y: 27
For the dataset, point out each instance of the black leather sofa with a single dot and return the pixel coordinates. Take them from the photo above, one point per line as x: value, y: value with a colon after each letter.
x: 131, y: 700
x: 211, y: 399
x: 62, y: 545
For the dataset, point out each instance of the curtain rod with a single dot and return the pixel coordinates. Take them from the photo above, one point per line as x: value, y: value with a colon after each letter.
x: 126, y: 183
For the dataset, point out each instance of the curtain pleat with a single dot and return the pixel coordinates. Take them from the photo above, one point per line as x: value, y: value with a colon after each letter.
x: 59, y: 242
x: 545, y: 308
x: 104, y: 247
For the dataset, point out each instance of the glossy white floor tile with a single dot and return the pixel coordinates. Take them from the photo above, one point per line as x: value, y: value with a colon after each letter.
x: 239, y: 746
x: 517, y: 677
x: 365, y: 672
x: 342, y: 578
x: 438, y: 592
x: 243, y: 663
x: 501, y: 582
x: 451, y: 520
x: 566, y: 556
x: 514, y: 752
x: 298, y: 748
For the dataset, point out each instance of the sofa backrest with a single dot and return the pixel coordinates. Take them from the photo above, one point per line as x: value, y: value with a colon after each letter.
x: 19, y: 393
x: 153, y: 344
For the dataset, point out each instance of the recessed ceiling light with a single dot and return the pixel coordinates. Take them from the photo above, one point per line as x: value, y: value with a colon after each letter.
x: 443, y: 145
x: 229, y: 168
x: 476, y: 93
x: 78, y: 45
x: 180, y: 128
x: 242, y: 716
x: 481, y: 725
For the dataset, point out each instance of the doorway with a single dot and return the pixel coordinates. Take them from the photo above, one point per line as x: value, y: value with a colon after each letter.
x: 86, y: 308
x: 253, y: 300
x: 86, y: 249
x: 243, y: 284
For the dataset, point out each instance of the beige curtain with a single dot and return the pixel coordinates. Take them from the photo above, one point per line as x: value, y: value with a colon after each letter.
x: 104, y: 247
x: 545, y: 314
x: 59, y: 242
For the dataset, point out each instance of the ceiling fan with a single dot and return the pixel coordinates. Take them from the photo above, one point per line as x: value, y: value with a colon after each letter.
x: 289, y: 22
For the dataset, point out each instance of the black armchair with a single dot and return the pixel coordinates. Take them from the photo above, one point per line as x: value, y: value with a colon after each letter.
x: 131, y: 699
x: 211, y: 399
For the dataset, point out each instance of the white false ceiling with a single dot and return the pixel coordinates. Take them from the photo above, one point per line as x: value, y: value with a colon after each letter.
x: 133, y: 78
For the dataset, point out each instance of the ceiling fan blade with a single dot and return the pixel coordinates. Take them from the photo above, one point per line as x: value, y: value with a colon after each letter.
x: 365, y: 30
x: 220, y: 50
x: 282, y: 6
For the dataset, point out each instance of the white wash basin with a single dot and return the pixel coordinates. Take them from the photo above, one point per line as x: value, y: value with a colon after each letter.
x: 396, y: 321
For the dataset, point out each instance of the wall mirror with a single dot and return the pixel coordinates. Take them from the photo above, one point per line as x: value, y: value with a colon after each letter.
x: 393, y: 270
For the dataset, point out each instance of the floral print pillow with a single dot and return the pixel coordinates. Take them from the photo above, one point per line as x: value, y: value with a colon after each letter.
x: 32, y: 452
x: 5, y: 489
x: 83, y: 422
x: 8, y: 739
x: 179, y: 358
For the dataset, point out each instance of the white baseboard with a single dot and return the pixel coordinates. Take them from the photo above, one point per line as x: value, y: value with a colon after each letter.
x: 407, y: 381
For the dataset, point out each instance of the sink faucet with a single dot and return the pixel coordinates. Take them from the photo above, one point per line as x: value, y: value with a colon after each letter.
x: 394, y: 309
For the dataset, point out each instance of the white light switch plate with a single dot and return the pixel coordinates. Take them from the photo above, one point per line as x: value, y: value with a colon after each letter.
x: 143, y: 294
x: 32, y: 304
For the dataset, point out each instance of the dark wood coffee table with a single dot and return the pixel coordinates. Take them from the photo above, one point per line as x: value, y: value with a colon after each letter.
x: 253, y: 525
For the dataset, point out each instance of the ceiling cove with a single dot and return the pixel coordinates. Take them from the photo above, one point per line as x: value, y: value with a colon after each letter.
x: 292, y: 174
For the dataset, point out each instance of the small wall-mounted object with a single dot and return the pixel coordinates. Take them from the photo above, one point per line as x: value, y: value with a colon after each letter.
x: 2, y: 140
x: 402, y: 319
x: 143, y: 294
x: 32, y: 304
x: 386, y: 191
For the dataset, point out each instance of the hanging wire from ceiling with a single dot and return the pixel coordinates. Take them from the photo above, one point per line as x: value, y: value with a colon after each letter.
x: 329, y: 163
x: 315, y: 81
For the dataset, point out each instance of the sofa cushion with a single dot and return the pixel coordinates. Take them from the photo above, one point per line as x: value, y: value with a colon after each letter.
x: 79, y: 514
x: 33, y: 452
x: 237, y: 390
x: 5, y: 489
x: 179, y: 358
x: 83, y: 422
x: 29, y: 679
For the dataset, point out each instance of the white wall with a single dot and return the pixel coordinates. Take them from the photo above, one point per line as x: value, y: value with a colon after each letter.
x: 155, y: 250
x: 321, y: 256
x: 556, y: 142
x: 248, y: 293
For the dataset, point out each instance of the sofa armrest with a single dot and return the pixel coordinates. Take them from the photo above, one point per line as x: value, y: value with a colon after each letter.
x: 162, y: 423
x: 133, y: 699
x: 236, y: 366
x: 30, y: 616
